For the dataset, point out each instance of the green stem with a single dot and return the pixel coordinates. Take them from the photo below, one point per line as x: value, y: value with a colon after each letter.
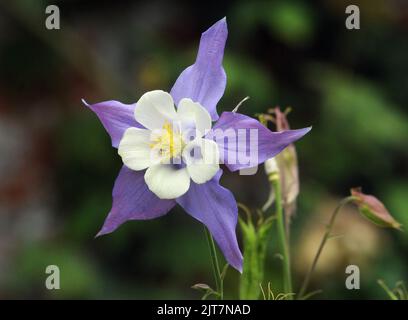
x: 216, y: 267
x: 283, y: 240
x: 326, y: 236
x: 387, y: 290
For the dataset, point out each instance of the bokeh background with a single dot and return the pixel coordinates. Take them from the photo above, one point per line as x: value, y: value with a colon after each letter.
x: 57, y: 166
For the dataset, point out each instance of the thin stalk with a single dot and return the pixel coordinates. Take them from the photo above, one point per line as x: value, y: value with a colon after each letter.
x: 322, y: 244
x: 387, y: 290
x: 283, y: 239
x: 216, y: 267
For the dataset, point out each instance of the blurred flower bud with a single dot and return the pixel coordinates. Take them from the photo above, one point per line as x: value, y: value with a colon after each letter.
x: 287, y: 166
x: 374, y: 210
x: 271, y: 167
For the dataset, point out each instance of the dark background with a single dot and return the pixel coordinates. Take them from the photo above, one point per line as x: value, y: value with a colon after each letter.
x: 57, y: 166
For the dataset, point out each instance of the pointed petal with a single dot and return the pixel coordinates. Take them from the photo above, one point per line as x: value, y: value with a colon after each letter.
x: 132, y: 200
x: 115, y: 116
x: 205, y: 80
x: 215, y: 207
x: 244, y: 142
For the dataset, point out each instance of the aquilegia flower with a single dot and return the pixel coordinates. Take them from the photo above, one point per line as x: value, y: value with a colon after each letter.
x: 172, y: 156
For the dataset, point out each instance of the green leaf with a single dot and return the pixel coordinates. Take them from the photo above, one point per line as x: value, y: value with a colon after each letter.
x: 255, y: 245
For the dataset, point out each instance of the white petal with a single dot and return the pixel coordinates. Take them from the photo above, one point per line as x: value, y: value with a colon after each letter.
x: 154, y: 108
x: 166, y: 181
x: 202, y: 159
x: 194, y: 115
x: 135, y: 149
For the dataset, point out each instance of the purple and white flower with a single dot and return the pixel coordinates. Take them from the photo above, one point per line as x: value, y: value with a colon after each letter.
x: 172, y: 155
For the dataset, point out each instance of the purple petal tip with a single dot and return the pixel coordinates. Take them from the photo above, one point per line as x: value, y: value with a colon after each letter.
x: 219, y: 27
x: 301, y: 132
x: 105, y: 230
x: 101, y: 233
x: 307, y: 129
x: 222, y: 23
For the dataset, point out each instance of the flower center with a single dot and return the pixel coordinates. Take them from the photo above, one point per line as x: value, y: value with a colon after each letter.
x: 168, y: 142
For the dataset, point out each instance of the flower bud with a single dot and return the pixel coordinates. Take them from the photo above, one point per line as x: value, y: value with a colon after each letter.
x: 374, y: 210
x: 271, y: 167
x: 288, y: 166
x: 284, y: 166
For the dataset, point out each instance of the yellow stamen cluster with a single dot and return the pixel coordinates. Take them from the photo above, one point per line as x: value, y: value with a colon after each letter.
x: 169, y: 143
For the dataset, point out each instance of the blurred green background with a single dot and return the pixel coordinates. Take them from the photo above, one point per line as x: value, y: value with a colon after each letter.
x: 57, y: 166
